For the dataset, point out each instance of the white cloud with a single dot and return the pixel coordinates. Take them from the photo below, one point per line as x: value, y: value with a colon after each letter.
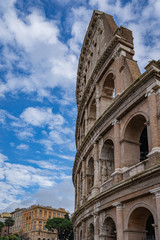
x: 22, y: 146
x: 5, y: 115
x: 49, y: 165
x: 3, y: 158
x: 79, y: 18
x: 20, y: 178
x: 15, y: 179
x: 67, y: 157
x: 32, y: 42
x: 40, y: 117
x: 25, y: 134
x: 60, y: 195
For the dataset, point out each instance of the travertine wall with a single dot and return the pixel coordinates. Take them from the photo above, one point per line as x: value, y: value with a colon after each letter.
x: 117, y: 166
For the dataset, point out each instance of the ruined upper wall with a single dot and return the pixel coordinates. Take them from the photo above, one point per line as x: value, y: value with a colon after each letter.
x: 101, y: 31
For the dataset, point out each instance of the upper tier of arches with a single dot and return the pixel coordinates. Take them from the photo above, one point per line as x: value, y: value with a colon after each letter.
x: 102, y: 74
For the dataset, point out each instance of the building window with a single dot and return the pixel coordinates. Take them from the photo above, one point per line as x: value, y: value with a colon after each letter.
x: 40, y: 210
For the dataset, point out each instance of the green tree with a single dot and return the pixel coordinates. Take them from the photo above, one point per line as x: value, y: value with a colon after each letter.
x: 63, y: 226
x: 1, y: 225
x: 9, y: 222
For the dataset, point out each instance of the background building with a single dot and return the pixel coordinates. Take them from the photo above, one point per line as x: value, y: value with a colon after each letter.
x: 17, y: 217
x: 116, y: 172
x: 4, y: 216
x: 34, y: 220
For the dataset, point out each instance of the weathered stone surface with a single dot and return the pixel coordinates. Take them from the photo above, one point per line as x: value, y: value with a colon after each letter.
x: 116, y: 172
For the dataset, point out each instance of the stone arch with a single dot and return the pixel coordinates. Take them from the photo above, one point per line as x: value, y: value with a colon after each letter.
x: 109, y: 229
x: 140, y: 224
x: 107, y: 93
x: 140, y: 205
x: 90, y: 175
x: 107, y: 160
x: 130, y: 118
x: 80, y: 235
x: 92, y: 113
x: 135, y: 140
x: 91, y: 232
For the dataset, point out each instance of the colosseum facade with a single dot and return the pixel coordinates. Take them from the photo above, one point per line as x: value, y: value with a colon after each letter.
x: 116, y: 172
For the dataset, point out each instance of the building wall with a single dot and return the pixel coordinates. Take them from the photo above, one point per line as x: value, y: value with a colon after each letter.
x: 117, y: 166
x: 17, y: 217
x: 35, y: 218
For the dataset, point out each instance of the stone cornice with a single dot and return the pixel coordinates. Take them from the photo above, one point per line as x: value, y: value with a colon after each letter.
x: 94, y: 133
x: 121, y: 185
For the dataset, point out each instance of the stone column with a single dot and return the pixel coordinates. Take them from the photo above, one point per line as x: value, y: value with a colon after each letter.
x: 86, y: 121
x: 100, y: 144
x: 75, y: 196
x: 156, y: 192
x: 96, y: 227
x: 154, y: 155
x: 152, y: 103
x: 96, y: 169
x: 83, y: 230
x: 78, y: 190
x: 97, y: 102
x: 84, y: 182
x: 117, y: 151
x: 119, y: 220
x: 77, y: 232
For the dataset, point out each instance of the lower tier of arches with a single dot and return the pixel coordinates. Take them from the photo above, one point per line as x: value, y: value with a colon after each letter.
x: 134, y: 219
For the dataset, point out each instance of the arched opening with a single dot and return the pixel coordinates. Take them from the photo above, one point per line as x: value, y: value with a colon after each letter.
x: 109, y: 229
x: 92, y: 114
x: 135, y: 142
x: 80, y: 236
x: 83, y: 129
x: 90, y: 175
x: 150, y: 228
x: 141, y: 225
x: 144, y: 144
x: 107, y: 160
x: 91, y: 232
x: 81, y: 183
x: 108, y: 92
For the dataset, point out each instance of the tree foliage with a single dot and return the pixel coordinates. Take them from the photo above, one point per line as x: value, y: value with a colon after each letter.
x: 63, y: 226
x: 11, y: 237
x: 1, y: 225
x: 9, y: 222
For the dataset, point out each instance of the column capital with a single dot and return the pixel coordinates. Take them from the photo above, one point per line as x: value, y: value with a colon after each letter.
x: 118, y: 205
x: 153, y: 89
x: 115, y: 122
x: 150, y: 92
x: 156, y: 192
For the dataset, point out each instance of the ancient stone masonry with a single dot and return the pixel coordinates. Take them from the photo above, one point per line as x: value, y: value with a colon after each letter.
x: 116, y: 173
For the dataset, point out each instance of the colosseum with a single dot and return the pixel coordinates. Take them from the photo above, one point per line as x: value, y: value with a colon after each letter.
x: 116, y: 173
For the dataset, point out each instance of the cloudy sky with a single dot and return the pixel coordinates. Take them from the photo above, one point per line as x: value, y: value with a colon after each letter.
x: 40, y: 42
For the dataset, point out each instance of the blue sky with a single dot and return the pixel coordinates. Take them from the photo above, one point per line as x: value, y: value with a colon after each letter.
x: 40, y: 42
